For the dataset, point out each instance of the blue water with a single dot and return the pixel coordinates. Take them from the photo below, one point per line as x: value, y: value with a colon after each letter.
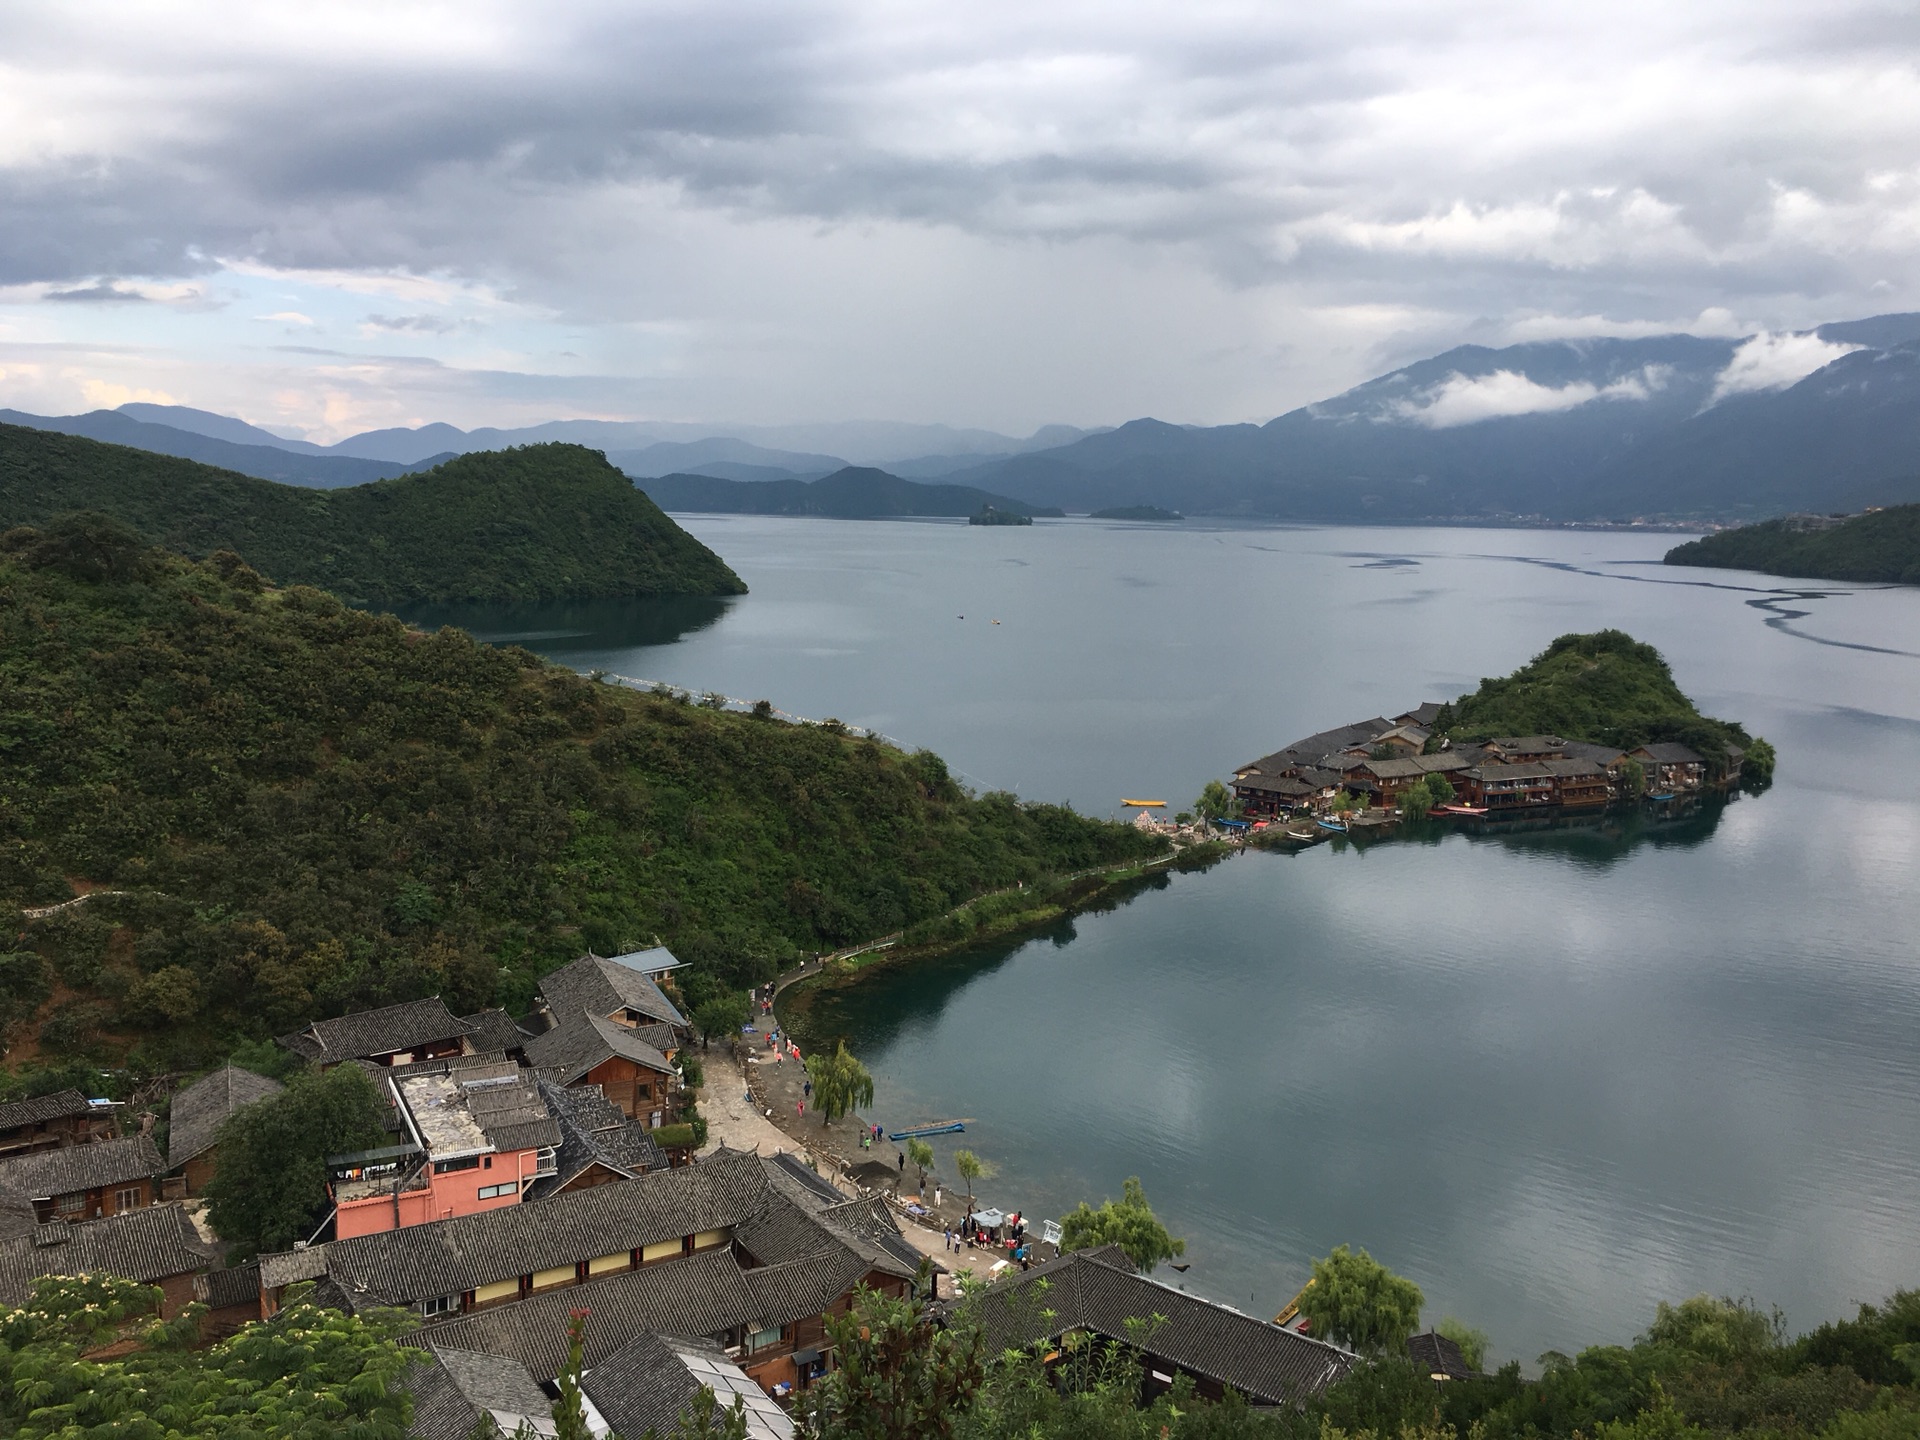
x: 1553, y: 1078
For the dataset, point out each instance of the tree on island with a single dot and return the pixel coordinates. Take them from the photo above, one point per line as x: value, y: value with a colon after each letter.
x: 723, y: 1017
x: 971, y: 1168
x: 1344, y: 803
x: 1128, y: 1222
x: 1355, y: 1300
x: 1216, y: 802
x: 271, y: 1187
x: 1431, y: 791
x: 921, y: 1154
x: 840, y: 1082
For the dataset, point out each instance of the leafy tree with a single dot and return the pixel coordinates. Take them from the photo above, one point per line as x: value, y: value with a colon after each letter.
x: 921, y: 1154
x: 1472, y: 1342
x: 723, y: 1016
x: 271, y: 1185
x: 1439, y: 789
x: 1711, y: 1329
x: 1128, y: 1222
x: 840, y: 1082
x: 310, y: 1373
x: 896, y: 1377
x: 971, y: 1168
x: 569, y: 1411
x: 1344, y: 803
x: 1357, y: 1301
x: 1216, y: 802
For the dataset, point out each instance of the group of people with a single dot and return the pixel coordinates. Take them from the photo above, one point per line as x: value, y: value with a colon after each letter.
x: 974, y: 1234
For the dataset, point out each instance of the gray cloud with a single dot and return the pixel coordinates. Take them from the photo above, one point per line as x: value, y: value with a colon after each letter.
x: 1640, y: 163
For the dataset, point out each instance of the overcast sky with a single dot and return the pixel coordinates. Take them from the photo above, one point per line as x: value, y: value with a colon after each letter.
x: 329, y: 217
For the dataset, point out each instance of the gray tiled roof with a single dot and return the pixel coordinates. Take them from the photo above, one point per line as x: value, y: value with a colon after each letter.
x: 446, y: 1257
x: 146, y: 1245
x: 1434, y: 1354
x: 453, y: 1391
x: 377, y: 1032
x: 101, y: 1165
x: 594, y: 1132
x: 704, y: 1294
x: 1667, y: 752
x: 642, y: 1388
x: 199, y: 1109
x: 1527, y: 744
x: 1098, y: 1291
x: 1599, y: 754
x: 41, y: 1108
x: 600, y: 986
x: 493, y: 1030
x: 582, y: 1040
x: 237, y: 1286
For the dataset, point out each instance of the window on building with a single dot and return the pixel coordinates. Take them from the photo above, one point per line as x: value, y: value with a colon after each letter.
x: 465, y: 1162
x: 127, y: 1199
x: 763, y: 1339
x: 73, y: 1204
x: 488, y: 1192
x: 440, y: 1305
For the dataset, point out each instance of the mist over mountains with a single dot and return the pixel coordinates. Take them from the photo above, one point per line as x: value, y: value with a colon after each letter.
x: 1670, y: 427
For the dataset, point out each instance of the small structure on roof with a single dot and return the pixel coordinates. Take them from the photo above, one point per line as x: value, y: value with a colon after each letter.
x: 1439, y: 1358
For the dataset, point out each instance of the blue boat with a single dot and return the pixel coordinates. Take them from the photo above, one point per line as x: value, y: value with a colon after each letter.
x: 1329, y: 825
x: 938, y: 1127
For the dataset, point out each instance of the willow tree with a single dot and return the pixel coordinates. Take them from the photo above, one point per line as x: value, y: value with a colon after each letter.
x: 840, y: 1082
x: 1357, y: 1301
x: 1128, y: 1222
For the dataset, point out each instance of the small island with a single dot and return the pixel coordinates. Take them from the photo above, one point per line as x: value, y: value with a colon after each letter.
x: 994, y: 515
x: 1593, y: 721
x: 1874, y: 547
x: 1137, y: 512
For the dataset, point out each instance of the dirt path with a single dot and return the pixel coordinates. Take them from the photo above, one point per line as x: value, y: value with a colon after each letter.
x: 737, y: 1119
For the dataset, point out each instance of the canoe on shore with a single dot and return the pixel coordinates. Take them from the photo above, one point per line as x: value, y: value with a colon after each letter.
x: 937, y: 1127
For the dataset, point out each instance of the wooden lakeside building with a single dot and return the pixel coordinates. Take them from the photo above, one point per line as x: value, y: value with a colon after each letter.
x: 1377, y: 761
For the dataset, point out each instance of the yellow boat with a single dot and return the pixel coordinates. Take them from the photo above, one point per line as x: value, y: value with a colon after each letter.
x: 1147, y: 804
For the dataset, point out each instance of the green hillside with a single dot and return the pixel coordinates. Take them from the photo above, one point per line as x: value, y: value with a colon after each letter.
x: 310, y: 808
x: 1880, y: 546
x: 545, y: 522
x: 1606, y: 689
x: 859, y: 492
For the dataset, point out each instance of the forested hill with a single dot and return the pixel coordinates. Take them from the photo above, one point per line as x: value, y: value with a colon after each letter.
x: 545, y: 522
x: 1604, y: 689
x: 858, y: 492
x: 290, y: 808
x: 1879, y: 546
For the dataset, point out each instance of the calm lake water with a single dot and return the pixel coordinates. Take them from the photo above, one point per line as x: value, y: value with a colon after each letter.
x: 1554, y: 1078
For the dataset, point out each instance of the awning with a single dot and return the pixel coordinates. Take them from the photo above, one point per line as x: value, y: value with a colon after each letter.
x: 806, y: 1357
x: 989, y: 1218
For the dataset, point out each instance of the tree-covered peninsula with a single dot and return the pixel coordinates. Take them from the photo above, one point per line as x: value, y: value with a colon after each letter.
x: 1604, y: 688
x: 544, y: 522
x: 1881, y: 546
x: 279, y: 807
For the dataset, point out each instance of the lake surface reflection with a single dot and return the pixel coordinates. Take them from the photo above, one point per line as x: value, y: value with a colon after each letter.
x: 1555, y: 1076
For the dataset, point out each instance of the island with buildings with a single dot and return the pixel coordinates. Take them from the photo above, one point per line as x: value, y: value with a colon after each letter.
x: 1594, y: 721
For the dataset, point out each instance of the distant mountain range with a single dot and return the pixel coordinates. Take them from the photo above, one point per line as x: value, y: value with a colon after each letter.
x: 1677, y: 428
x: 267, y: 458
x: 853, y: 493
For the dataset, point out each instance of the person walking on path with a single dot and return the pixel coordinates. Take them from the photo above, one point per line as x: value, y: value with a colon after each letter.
x: 800, y: 1109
